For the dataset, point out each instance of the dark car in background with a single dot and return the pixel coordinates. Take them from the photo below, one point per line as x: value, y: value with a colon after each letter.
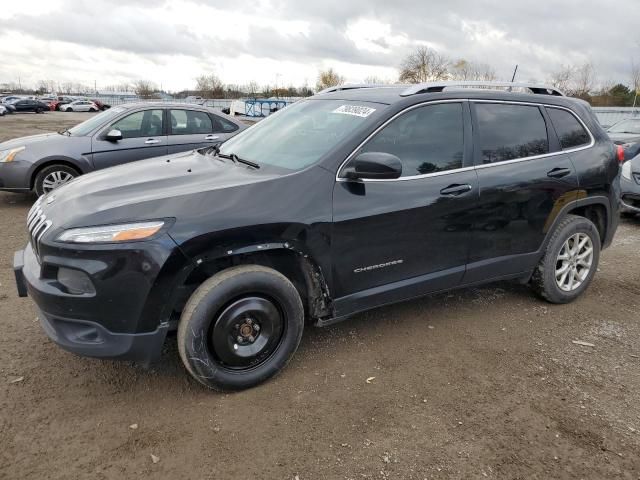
x: 28, y: 105
x: 630, y: 186
x: 347, y: 201
x: 119, y: 135
x: 625, y: 132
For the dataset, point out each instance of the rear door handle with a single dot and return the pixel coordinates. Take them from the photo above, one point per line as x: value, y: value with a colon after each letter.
x: 151, y: 141
x: 212, y: 137
x: 456, y: 189
x: 558, y: 172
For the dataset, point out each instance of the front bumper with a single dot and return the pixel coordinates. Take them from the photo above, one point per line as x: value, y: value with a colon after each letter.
x: 84, y: 324
x: 15, y: 176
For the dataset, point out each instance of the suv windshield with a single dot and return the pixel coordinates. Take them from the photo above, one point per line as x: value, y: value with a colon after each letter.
x: 301, y: 134
x: 626, y: 126
x: 88, y: 126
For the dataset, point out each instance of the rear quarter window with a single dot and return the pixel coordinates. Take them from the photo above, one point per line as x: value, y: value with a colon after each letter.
x: 570, y: 131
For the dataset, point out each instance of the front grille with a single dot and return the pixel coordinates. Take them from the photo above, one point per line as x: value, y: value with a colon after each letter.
x: 37, y: 224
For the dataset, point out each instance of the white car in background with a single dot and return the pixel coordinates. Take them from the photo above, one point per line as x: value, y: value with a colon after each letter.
x: 79, y: 106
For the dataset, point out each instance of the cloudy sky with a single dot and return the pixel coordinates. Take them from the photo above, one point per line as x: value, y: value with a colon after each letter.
x: 288, y: 41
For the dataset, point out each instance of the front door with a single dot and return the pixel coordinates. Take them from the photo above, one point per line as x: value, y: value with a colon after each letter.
x: 142, y: 137
x: 395, y: 239
x: 525, y: 180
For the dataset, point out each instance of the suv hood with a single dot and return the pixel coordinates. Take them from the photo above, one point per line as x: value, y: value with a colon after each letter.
x: 161, y: 187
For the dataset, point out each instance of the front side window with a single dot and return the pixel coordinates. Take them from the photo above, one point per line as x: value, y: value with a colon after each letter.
x: 509, y: 132
x: 146, y: 123
x: 569, y: 130
x: 427, y: 139
x: 190, y: 122
x: 301, y: 134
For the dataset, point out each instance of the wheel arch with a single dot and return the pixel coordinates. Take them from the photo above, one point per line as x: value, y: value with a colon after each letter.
x: 294, y: 263
x: 50, y: 162
x: 595, y: 208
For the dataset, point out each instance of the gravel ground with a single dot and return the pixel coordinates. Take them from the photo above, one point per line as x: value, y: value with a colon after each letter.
x: 478, y: 383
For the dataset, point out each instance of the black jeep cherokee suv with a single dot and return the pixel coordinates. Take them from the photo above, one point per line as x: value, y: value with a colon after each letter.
x: 352, y: 199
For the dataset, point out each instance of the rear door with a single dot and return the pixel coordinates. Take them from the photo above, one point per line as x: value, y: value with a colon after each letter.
x: 525, y: 180
x: 143, y: 137
x: 191, y: 129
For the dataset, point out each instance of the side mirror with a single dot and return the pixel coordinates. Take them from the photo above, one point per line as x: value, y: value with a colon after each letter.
x: 375, y: 165
x: 114, y: 135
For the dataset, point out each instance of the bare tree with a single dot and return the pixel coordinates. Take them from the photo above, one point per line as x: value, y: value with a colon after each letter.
x: 66, y: 87
x: 143, y: 88
x: 252, y: 89
x: 328, y: 78
x: 585, y: 79
x: 466, y: 70
x: 424, y: 65
x: 209, y: 86
x: 562, y: 79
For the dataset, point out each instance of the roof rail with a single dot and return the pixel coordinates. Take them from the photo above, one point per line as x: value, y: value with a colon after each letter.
x: 351, y: 86
x: 434, y: 87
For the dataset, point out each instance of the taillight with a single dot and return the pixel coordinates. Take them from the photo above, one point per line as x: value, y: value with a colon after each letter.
x: 620, y: 153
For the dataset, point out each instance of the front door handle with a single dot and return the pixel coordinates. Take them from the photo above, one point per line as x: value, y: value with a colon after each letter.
x: 212, y: 137
x: 456, y: 189
x: 152, y: 141
x: 558, y: 172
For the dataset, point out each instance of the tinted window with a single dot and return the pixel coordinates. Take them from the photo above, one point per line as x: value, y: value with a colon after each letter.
x: 190, y: 122
x: 508, y: 132
x: 147, y: 123
x: 570, y: 132
x: 224, y: 125
x: 426, y: 140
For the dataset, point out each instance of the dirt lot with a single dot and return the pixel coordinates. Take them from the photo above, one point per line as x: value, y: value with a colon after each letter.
x: 480, y: 383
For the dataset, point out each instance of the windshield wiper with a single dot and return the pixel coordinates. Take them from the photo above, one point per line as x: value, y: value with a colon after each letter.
x: 215, y: 151
x: 236, y: 159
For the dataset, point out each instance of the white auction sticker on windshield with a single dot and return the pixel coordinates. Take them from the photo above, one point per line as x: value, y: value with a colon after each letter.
x: 356, y: 110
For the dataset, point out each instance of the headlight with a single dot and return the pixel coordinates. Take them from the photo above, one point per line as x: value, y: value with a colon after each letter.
x: 626, y: 170
x: 7, y: 156
x: 111, y: 233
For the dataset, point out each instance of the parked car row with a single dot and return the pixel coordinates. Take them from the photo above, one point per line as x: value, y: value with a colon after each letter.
x: 58, y: 103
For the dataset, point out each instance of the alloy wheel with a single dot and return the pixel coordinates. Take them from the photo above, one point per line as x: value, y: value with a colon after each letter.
x: 56, y: 179
x: 574, y: 262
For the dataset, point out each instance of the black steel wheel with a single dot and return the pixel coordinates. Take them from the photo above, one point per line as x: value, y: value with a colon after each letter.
x: 240, y: 327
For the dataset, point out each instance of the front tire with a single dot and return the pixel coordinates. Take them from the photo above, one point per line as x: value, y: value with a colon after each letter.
x: 240, y: 327
x: 570, y: 261
x: 69, y: 109
x: 52, y: 177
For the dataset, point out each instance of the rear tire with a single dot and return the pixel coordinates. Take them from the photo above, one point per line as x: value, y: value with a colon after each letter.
x: 570, y: 261
x: 240, y: 327
x: 38, y: 110
x: 53, y: 176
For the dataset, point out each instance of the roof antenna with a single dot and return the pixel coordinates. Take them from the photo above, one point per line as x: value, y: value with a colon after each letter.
x: 513, y: 79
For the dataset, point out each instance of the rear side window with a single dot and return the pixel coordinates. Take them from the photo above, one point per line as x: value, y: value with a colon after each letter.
x: 509, y: 132
x: 190, y: 122
x: 223, y: 125
x: 427, y: 139
x: 570, y: 131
